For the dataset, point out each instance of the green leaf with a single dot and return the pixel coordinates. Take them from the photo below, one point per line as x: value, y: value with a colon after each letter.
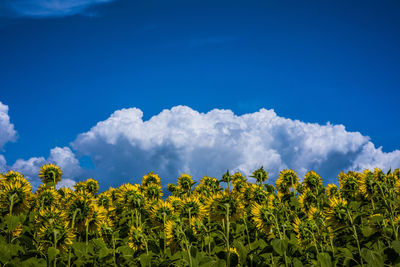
x: 279, y: 246
x: 324, y: 260
x: 52, y: 253
x: 396, y: 246
x: 12, y: 222
x: 373, y: 258
x: 368, y: 231
x: 145, y: 260
x: 297, y: 263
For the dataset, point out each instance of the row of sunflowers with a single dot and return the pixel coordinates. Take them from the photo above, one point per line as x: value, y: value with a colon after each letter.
x: 216, y: 222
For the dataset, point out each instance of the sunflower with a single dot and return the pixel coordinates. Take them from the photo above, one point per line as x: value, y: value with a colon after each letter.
x: 106, y: 230
x: 185, y: 182
x: 137, y: 239
x: 303, y: 231
x: 336, y: 213
x: 15, y: 197
x: 98, y: 215
x: 92, y: 186
x: 57, y: 235
x: 312, y: 181
x: 192, y: 209
x: 153, y: 192
x: 221, y: 203
x: 80, y: 210
x: 50, y: 215
x: 130, y: 197
x: 46, y: 197
x: 259, y: 195
x: 161, y: 212
x: 379, y: 175
x: 176, y: 202
x: 332, y: 191
x: 210, y: 185
x: 349, y: 185
x: 104, y: 199
x: 10, y: 177
x: 17, y: 231
x: 307, y: 200
x: 151, y: 179
x: 260, y: 175
x: 263, y: 218
x: 50, y: 173
x: 239, y: 182
x: 287, y: 179
x: 367, y: 184
x: 172, y: 233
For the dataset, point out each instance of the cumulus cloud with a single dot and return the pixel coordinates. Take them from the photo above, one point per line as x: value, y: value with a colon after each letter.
x: 124, y: 147
x: 62, y: 157
x: 7, y: 132
x: 51, y: 8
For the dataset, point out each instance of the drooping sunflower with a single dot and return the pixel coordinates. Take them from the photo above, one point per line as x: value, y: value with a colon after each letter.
x: 210, y: 185
x: 46, y: 197
x: 379, y: 175
x: 50, y: 173
x: 304, y: 233
x: 172, y: 234
x: 137, y: 239
x: 287, y: 179
x: 130, y: 197
x: 15, y: 197
x: 58, y: 235
x: 259, y: 195
x: 97, y: 215
x: 92, y: 186
x: 192, y: 208
x: 367, y: 184
x: 260, y: 175
x: 176, y: 202
x: 185, y: 182
x: 239, y: 182
x: 153, y: 192
x: 306, y: 200
x: 263, y: 218
x: 222, y: 203
x: 106, y: 230
x: 349, y: 185
x: 315, y: 214
x: 10, y: 177
x: 312, y: 181
x: 104, y: 199
x: 161, y: 212
x: 332, y: 191
x: 151, y: 179
x: 79, y: 210
x: 336, y: 213
x: 50, y: 215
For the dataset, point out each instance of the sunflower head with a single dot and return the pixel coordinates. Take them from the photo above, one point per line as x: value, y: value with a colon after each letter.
x: 211, y: 184
x: 260, y: 175
x: 46, y: 197
x: 379, y: 175
x: 185, y: 182
x: 80, y: 209
x: 15, y: 197
x: 151, y: 179
x: 312, y: 181
x: 287, y: 179
x: 161, y: 212
x: 105, y: 200
x: 263, y: 218
x: 92, y: 186
x: 172, y: 233
x: 50, y: 173
x: 11, y: 176
x: 47, y: 234
x: 50, y: 215
x: 106, y: 230
x: 259, y: 195
x: 97, y: 215
x: 332, y: 191
x: 336, y: 213
x: 304, y: 232
x: 222, y: 203
x: 130, y: 197
x: 175, y: 202
x: 349, y: 184
x: 192, y: 208
x: 367, y: 184
x: 153, y: 192
x: 137, y: 239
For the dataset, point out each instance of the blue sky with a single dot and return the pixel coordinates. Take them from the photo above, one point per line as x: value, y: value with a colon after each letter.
x: 65, y: 67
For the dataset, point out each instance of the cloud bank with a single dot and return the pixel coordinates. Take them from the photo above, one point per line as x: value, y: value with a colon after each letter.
x: 51, y: 8
x: 124, y: 147
x: 7, y: 132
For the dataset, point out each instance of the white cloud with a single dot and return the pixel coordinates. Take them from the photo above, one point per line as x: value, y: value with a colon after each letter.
x: 2, y: 164
x: 124, y: 147
x: 51, y: 8
x: 7, y: 132
x: 62, y: 157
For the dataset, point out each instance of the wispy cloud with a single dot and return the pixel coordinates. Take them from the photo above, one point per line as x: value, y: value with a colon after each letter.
x: 50, y: 8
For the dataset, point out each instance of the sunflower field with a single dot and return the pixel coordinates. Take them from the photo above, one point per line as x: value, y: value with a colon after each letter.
x: 215, y: 222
